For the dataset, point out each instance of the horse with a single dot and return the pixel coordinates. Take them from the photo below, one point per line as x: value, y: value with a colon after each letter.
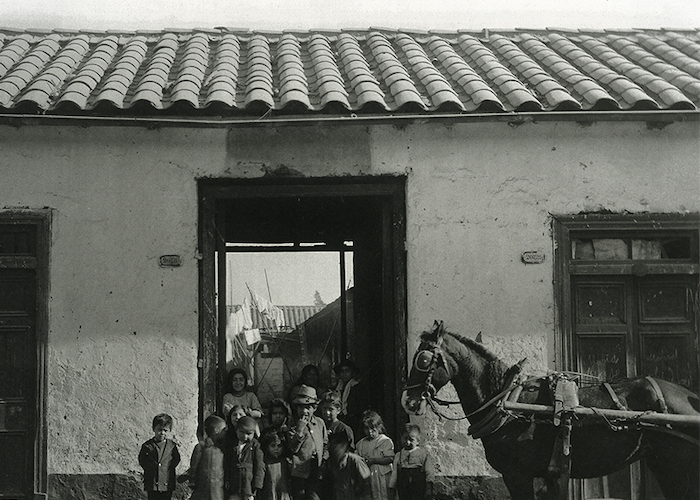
x: 523, y: 448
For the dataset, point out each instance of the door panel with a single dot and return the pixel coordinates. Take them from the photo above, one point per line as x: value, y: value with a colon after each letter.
x: 18, y: 375
x: 627, y: 326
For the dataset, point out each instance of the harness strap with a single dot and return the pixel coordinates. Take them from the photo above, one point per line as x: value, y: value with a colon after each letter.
x: 659, y: 394
x: 614, y: 397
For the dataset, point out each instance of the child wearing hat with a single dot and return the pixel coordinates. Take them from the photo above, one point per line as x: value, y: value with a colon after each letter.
x: 245, y: 468
x: 308, y: 444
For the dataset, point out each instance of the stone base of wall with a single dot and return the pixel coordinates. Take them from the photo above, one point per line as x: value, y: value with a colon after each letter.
x: 470, y: 488
x: 125, y: 487
x: 103, y: 487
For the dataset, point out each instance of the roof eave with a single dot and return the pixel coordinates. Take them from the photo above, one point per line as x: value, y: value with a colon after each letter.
x: 583, y: 117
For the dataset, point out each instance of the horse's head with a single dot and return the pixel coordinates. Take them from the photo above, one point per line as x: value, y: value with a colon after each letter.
x: 429, y: 371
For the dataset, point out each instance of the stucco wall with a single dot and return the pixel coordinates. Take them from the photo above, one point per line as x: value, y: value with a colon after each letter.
x: 123, y: 332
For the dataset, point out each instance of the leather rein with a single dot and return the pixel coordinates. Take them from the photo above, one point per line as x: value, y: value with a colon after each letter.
x: 430, y: 393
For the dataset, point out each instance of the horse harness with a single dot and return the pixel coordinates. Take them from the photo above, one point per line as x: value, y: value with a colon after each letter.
x: 494, y: 416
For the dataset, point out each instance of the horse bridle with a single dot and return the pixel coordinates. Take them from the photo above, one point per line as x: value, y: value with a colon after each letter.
x: 427, y: 361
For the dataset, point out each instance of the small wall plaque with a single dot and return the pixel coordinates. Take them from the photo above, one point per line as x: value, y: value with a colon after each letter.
x: 533, y: 257
x: 170, y: 261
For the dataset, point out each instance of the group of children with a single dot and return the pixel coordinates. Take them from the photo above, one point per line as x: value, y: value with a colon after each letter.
x: 302, y: 454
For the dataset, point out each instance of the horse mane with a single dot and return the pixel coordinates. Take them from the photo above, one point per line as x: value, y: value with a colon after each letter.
x: 495, y: 370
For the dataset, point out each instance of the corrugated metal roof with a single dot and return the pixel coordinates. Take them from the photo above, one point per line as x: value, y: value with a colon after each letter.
x: 226, y: 72
x: 293, y: 317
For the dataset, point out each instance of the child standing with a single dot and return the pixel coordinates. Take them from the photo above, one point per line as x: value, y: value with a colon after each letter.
x: 276, y: 482
x: 245, y: 468
x: 330, y: 409
x: 414, y: 470
x: 378, y: 451
x: 159, y: 457
x: 348, y: 473
x: 207, y: 464
x: 308, y: 444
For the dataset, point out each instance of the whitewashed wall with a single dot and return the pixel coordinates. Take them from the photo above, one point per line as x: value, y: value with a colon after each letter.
x: 124, y: 332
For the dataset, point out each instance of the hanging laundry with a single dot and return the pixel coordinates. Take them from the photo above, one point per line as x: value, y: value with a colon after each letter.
x: 269, y: 310
x: 252, y: 336
x: 261, y: 302
x: 247, y: 318
x: 278, y: 317
x: 235, y: 323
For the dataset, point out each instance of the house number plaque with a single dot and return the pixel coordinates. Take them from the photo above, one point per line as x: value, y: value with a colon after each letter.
x: 533, y: 257
x: 170, y: 261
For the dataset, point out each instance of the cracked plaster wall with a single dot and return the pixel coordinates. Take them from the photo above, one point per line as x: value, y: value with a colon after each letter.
x: 123, y: 332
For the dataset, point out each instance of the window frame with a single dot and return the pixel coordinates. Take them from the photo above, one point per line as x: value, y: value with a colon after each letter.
x: 568, y: 227
x: 565, y: 228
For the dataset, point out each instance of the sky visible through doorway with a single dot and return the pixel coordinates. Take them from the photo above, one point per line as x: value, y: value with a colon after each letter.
x: 293, y: 277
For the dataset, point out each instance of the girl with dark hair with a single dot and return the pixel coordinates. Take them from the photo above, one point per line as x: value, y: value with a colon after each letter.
x: 239, y: 395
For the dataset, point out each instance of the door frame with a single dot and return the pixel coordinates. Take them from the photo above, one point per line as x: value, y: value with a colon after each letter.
x: 391, y: 190
x: 563, y: 226
x: 41, y: 219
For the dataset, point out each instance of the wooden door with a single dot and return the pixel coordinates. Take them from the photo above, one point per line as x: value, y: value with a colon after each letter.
x: 627, y: 326
x: 18, y: 363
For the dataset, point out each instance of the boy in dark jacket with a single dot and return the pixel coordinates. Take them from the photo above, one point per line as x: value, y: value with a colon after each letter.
x: 245, y: 467
x: 159, y: 456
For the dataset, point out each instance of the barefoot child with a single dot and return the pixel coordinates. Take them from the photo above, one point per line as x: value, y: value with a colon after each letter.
x: 378, y: 451
x: 414, y: 469
x: 159, y: 456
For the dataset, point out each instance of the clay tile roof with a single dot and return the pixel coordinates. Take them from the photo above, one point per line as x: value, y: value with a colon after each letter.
x: 238, y: 72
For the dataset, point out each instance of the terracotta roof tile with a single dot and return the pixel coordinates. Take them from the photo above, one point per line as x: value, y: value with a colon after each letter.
x: 515, y: 94
x: 378, y: 70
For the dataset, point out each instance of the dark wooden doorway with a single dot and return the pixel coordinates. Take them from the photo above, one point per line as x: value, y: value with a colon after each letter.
x: 23, y: 327
x: 370, y: 213
x: 627, y: 296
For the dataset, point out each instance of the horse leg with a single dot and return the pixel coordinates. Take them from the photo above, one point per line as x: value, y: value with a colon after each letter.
x: 519, y: 486
x: 557, y: 487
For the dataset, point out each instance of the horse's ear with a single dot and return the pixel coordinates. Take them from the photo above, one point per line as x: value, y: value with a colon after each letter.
x: 478, y: 338
x: 438, y: 329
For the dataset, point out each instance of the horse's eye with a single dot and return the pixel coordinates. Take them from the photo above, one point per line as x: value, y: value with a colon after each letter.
x: 423, y: 361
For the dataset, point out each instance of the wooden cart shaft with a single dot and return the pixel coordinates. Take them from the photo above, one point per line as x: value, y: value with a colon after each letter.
x: 653, y: 417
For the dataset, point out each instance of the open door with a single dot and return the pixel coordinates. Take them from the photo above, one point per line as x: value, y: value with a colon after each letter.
x: 361, y: 219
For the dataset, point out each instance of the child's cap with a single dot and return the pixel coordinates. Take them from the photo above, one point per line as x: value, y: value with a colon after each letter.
x: 246, y: 424
x: 306, y: 396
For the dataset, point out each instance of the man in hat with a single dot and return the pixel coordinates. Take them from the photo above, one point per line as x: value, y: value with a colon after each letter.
x: 308, y: 442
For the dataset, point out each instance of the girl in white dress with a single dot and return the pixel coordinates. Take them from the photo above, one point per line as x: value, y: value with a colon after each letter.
x: 377, y: 449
